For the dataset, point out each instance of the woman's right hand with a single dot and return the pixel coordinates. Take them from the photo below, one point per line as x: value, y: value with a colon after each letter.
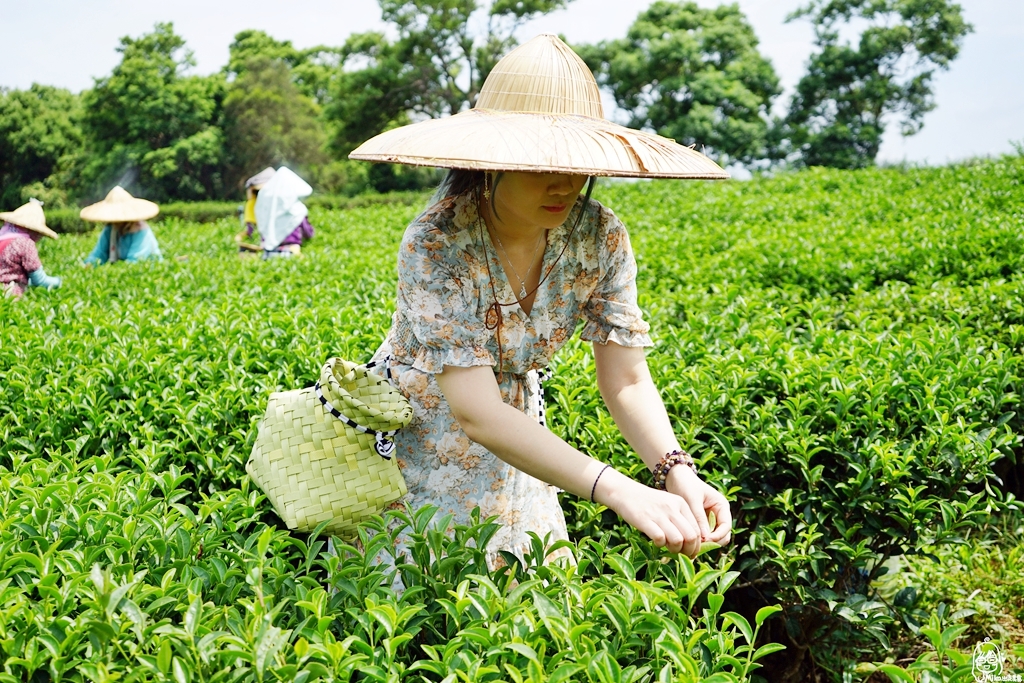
x: 663, y: 517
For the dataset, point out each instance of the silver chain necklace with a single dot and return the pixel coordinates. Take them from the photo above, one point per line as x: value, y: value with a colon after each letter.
x: 533, y: 260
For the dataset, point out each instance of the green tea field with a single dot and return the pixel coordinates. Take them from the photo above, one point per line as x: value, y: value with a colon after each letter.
x: 841, y: 352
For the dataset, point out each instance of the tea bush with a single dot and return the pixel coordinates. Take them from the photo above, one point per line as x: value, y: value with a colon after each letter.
x: 840, y: 350
x: 843, y: 352
x: 67, y: 220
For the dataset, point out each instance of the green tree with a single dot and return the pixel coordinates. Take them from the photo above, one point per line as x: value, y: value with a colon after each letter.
x: 268, y: 121
x: 694, y: 75
x: 839, y: 111
x: 313, y: 70
x: 435, y: 67
x: 150, y: 116
x: 40, y: 130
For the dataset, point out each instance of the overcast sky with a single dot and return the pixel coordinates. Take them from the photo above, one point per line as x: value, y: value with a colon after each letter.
x: 69, y: 42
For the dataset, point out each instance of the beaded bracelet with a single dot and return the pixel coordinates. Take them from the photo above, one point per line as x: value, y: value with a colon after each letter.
x: 597, y: 479
x: 667, y: 462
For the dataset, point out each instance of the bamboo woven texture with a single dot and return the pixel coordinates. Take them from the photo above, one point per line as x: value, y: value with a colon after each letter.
x: 313, y: 467
x: 539, y: 110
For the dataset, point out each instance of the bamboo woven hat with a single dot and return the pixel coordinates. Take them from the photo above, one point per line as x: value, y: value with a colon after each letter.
x: 119, y: 207
x: 29, y: 216
x: 539, y: 110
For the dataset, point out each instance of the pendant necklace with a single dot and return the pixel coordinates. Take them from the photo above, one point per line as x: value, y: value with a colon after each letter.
x: 533, y: 258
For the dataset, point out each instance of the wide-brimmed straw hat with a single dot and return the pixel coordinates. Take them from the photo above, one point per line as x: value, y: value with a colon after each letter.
x: 539, y: 110
x: 29, y: 216
x: 119, y: 207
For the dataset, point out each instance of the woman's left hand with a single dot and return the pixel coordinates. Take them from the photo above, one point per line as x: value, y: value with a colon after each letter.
x: 702, y: 499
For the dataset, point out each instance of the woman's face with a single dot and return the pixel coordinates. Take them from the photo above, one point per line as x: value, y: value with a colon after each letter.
x: 536, y: 199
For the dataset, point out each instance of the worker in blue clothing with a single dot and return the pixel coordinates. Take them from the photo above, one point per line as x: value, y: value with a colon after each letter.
x: 126, y: 235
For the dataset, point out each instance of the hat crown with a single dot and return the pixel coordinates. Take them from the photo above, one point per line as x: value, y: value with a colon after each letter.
x: 118, y: 195
x: 31, y: 212
x: 29, y: 216
x: 119, y: 206
x: 542, y: 76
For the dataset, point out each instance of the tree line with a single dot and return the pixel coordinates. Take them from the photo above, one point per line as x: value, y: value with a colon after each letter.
x: 686, y: 72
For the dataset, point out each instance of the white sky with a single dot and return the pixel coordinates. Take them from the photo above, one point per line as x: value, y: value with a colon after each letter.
x: 69, y: 42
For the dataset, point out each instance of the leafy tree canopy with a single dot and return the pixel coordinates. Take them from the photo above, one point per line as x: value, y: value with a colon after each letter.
x: 839, y: 111
x: 268, y: 121
x: 691, y: 74
x: 150, y: 115
x: 312, y: 69
x: 435, y: 67
x: 39, y: 128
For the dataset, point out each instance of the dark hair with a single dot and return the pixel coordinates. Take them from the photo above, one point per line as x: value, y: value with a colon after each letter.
x: 456, y: 181
x: 460, y: 180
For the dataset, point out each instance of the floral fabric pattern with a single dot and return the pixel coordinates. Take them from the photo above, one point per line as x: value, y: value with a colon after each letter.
x: 443, y: 298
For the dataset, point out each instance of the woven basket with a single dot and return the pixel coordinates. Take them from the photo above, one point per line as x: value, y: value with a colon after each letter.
x: 314, y: 467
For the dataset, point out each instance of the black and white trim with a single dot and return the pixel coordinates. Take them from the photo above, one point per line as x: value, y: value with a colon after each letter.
x: 543, y: 374
x: 386, y: 362
x: 384, y: 442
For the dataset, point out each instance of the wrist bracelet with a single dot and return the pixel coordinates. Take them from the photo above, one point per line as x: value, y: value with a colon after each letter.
x: 667, y: 462
x: 594, y: 487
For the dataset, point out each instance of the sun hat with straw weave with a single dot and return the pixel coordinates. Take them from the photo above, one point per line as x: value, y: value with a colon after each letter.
x: 313, y: 466
x: 539, y: 110
x: 119, y: 207
x: 29, y: 216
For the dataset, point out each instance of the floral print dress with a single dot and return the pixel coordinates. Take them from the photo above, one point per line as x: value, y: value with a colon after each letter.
x: 444, y: 294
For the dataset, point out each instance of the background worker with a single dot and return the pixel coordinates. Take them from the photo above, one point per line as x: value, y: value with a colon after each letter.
x: 126, y: 235
x: 20, y: 266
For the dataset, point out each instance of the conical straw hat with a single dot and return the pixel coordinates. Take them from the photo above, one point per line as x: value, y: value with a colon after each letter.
x: 29, y: 216
x: 539, y: 110
x: 119, y: 207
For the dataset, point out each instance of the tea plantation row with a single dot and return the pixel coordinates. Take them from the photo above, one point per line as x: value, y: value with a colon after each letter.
x: 842, y: 351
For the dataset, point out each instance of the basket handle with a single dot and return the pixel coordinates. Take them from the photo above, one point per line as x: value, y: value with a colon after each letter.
x: 384, y: 442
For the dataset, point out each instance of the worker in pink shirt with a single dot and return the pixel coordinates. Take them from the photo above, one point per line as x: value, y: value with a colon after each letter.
x: 20, y: 266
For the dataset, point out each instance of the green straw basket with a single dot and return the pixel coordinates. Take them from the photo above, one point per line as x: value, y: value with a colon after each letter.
x: 329, y: 459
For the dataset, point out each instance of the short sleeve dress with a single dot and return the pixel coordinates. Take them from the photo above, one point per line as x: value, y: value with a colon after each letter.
x: 444, y: 295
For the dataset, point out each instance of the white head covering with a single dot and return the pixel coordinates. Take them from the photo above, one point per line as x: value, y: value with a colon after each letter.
x: 261, y: 178
x: 278, y: 209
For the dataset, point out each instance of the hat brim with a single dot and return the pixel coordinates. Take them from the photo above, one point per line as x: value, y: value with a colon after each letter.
x: 120, y: 212
x: 480, y: 139
x: 12, y: 218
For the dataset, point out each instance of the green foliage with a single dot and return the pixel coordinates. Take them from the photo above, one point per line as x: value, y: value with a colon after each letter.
x: 39, y: 131
x: 312, y: 69
x: 341, y: 177
x: 840, y: 109
x: 694, y: 75
x: 67, y: 220
x: 979, y: 579
x: 268, y: 122
x: 941, y: 661
x: 841, y: 351
x: 689, y: 73
x: 150, y: 118
x: 435, y: 67
x: 137, y: 549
